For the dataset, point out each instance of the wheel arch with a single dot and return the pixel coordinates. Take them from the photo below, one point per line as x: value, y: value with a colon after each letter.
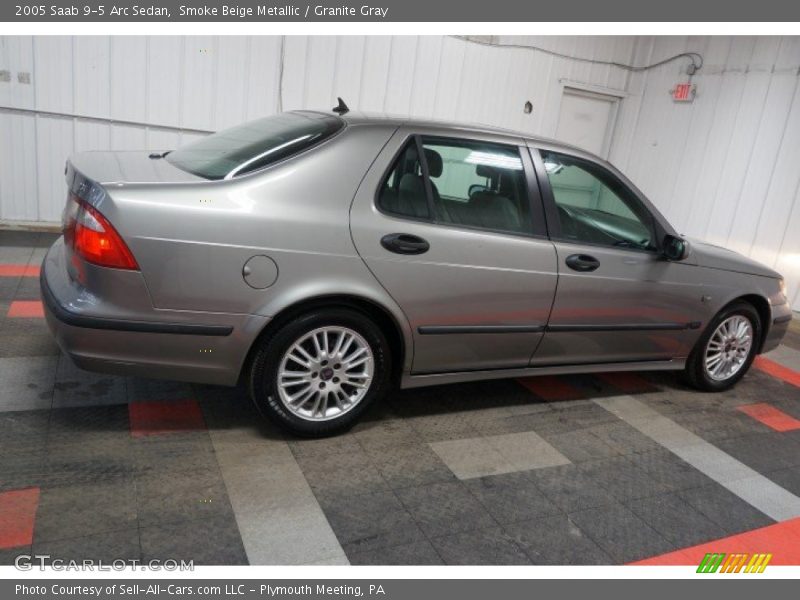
x: 762, y: 306
x: 398, y: 337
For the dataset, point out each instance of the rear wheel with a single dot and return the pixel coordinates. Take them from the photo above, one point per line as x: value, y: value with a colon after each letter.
x: 726, y: 350
x: 319, y: 372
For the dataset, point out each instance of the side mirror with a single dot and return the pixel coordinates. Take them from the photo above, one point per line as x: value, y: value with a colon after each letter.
x: 675, y: 248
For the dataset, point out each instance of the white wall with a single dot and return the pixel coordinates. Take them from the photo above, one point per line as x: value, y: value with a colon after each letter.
x: 136, y: 92
x: 725, y: 167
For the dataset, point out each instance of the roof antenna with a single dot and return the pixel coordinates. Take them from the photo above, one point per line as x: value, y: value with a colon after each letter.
x: 341, y: 108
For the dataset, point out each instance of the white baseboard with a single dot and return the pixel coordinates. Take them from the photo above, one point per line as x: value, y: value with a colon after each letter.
x: 35, y: 226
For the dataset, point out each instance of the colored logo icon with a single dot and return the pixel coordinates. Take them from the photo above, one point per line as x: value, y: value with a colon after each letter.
x: 719, y: 562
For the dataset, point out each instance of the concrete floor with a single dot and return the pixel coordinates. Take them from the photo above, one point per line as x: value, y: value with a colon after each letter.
x: 605, y: 469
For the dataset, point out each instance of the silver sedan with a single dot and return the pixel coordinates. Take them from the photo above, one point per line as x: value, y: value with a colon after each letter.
x: 321, y: 258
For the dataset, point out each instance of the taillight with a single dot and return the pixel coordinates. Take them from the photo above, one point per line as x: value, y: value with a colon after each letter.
x: 93, y: 238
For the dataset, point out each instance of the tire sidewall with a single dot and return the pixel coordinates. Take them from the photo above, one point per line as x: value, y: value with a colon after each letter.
x: 697, y: 361
x: 264, y: 381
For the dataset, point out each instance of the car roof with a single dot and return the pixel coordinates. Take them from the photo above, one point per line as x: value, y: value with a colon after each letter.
x: 391, y: 120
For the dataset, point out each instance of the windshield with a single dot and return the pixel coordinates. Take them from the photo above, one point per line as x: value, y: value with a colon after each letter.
x: 254, y: 145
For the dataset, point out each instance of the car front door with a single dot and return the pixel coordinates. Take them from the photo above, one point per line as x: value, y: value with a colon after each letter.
x: 453, y: 228
x: 618, y: 298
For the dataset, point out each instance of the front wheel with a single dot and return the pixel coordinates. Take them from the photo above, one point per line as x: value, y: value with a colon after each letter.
x: 726, y: 350
x: 319, y: 372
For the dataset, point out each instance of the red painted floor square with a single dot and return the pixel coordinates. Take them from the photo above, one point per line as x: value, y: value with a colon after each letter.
x: 629, y: 383
x: 17, y: 517
x: 552, y: 388
x: 770, y: 367
x: 770, y: 416
x: 782, y: 540
x: 16, y: 270
x: 154, y: 418
x: 26, y: 309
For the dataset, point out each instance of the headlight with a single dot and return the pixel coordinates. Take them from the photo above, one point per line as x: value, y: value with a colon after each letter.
x: 782, y: 288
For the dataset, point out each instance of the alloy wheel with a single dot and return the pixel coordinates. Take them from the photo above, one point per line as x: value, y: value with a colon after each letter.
x: 728, y: 348
x: 325, y: 373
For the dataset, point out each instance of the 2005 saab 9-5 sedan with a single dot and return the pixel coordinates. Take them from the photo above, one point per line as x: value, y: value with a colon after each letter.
x: 322, y: 258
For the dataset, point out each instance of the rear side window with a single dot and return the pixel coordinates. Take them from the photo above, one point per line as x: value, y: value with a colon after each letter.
x: 254, y: 145
x: 403, y: 192
x: 472, y: 184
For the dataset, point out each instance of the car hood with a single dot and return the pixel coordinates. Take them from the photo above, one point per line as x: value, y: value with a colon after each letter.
x: 717, y: 257
x: 128, y: 167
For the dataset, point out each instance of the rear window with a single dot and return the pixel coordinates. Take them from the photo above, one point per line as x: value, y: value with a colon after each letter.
x: 254, y: 145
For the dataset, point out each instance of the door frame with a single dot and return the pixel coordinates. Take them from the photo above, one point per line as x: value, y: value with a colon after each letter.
x: 366, y: 205
x: 586, y: 90
x: 660, y: 225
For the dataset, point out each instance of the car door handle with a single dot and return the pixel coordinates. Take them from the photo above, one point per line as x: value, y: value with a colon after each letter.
x: 404, y: 243
x: 582, y: 262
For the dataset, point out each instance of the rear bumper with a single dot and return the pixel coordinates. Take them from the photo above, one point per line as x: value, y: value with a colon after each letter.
x: 136, y: 339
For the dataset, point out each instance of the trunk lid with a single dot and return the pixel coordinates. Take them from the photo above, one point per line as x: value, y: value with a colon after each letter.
x: 91, y: 178
x: 128, y: 167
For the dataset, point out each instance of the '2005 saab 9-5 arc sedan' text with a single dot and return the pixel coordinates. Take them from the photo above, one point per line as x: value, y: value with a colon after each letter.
x: 321, y: 258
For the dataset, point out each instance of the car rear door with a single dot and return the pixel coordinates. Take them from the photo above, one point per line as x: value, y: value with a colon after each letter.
x: 452, y: 226
x: 618, y: 298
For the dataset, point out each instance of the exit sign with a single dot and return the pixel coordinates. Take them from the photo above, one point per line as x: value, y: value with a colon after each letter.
x: 683, y: 92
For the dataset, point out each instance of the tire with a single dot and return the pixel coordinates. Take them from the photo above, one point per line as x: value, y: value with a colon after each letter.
x: 698, y: 375
x: 320, y: 382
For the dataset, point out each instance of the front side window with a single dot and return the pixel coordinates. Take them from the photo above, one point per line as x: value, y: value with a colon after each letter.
x: 471, y: 184
x: 254, y: 145
x: 594, y: 206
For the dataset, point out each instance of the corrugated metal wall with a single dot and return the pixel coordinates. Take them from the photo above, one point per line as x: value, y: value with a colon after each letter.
x: 724, y: 167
